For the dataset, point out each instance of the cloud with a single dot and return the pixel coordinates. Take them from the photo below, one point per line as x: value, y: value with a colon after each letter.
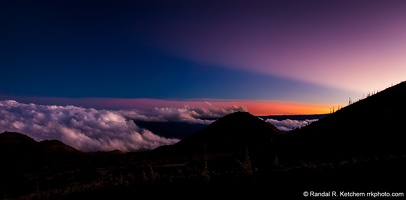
x: 89, y: 129
x: 186, y: 114
x: 289, y: 124
x: 86, y: 129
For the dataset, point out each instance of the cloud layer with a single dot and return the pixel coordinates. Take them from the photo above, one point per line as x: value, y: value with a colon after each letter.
x: 86, y: 129
x: 89, y: 129
x: 186, y: 114
x: 289, y: 124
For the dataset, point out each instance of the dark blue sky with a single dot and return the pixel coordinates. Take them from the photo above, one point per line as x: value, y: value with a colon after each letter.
x: 168, y: 50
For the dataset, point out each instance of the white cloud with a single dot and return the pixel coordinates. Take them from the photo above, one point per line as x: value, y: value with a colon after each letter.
x: 185, y: 114
x: 86, y: 129
x: 289, y: 124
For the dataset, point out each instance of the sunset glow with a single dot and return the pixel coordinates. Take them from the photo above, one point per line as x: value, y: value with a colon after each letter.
x: 258, y: 108
x: 272, y: 57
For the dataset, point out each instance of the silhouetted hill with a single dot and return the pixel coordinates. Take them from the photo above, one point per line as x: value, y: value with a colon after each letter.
x: 370, y: 127
x: 24, y: 160
x: 358, y: 148
x: 232, y: 131
x: 19, y: 146
x: 56, y: 147
x: 228, y: 142
x: 13, y: 139
x: 178, y: 130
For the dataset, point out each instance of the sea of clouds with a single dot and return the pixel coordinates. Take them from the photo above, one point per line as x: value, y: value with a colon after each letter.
x: 186, y: 114
x: 289, y: 124
x: 89, y: 129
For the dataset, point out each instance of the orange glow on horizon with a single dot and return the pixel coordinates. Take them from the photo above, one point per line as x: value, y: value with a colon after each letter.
x: 258, y: 108
x: 281, y: 108
x: 263, y: 108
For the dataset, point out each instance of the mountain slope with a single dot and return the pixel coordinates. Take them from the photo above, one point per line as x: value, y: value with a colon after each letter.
x: 231, y: 131
x: 56, y: 147
x: 13, y: 139
x: 228, y: 143
x: 14, y: 145
x: 178, y: 130
x: 371, y: 126
x: 17, y: 146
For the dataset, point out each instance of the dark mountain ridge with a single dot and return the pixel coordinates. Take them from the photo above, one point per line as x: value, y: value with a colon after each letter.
x: 231, y: 141
x: 181, y: 130
x: 13, y: 140
x: 56, y: 147
x: 294, y: 117
x: 358, y: 148
x: 236, y: 130
x: 178, y: 130
x: 369, y: 127
x: 19, y: 146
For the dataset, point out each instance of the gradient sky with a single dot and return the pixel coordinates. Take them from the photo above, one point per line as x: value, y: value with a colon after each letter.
x: 273, y: 57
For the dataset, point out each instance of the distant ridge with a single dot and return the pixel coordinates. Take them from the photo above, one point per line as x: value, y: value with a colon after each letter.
x: 12, y: 139
x: 14, y: 144
x: 371, y: 126
x: 229, y: 133
x: 231, y: 140
x: 358, y: 148
x: 56, y: 146
x: 295, y: 117
x: 18, y: 145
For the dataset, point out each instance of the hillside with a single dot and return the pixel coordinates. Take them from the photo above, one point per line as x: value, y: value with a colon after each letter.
x: 360, y: 147
x: 233, y: 130
x: 56, y: 147
x: 229, y: 142
x: 178, y: 130
x: 370, y: 127
x: 17, y: 145
x: 9, y: 140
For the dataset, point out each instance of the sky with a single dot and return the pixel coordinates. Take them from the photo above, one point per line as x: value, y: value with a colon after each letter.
x: 78, y: 70
x: 270, y: 57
